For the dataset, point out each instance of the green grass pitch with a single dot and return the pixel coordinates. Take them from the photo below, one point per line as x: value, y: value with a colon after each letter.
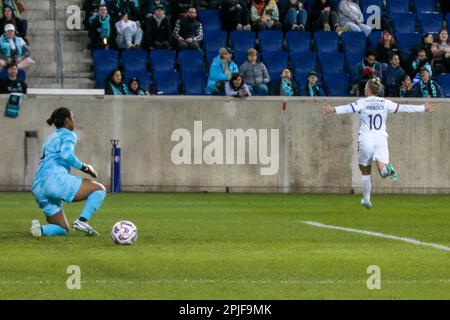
x: 231, y: 246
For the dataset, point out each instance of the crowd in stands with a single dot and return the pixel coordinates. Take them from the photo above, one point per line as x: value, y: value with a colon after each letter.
x: 269, y: 47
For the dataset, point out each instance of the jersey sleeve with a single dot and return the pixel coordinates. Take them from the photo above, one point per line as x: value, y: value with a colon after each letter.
x: 396, y: 107
x: 68, y: 151
x: 350, y: 108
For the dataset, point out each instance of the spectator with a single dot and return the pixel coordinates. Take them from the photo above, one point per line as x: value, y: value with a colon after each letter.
x: 393, y: 75
x: 131, y: 8
x: 441, y: 52
x: 427, y: 88
x: 264, y: 15
x: 158, y: 33
x: 387, y: 46
x: 114, y: 84
x: 286, y: 86
x: 220, y: 71
x: 14, y: 4
x: 13, y: 84
x: 236, y: 87
x: 427, y: 45
x: 129, y: 33
x: 405, y: 89
x: 178, y: 8
x: 19, y: 24
x: 134, y: 88
x: 369, y: 68
x: 188, y: 31
x: 13, y: 49
x: 419, y: 62
x: 350, y: 16
x: 295, y: 15
x: 323, y: 17
x: 234, y: 15
x: 91, y: 8
x: 101, y: 32
x: 312, y: 88
x: 149, y: 7
x: 255, y: 74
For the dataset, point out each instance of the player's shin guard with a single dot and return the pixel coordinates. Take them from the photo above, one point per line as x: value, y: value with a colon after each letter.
x: 93, y: 202
x: 366, y: 185
x: 53, y: 230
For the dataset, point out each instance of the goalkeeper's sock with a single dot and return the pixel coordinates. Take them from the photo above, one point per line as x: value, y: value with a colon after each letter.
x: 366, y: 187
x: 93, y: 202
x: 384, y: 172
x: 53, y: 230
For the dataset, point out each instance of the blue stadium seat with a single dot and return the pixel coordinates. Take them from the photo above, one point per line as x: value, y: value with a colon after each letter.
x: 298, y: 42
x: 374, y: 38
x: 142, y: 75
x: 242, y: 40
x: 430, y: 22
x: 326, y: 41
x: 337, y: 84
x: 162, y: 60
x: 239, y: 57
x: 404, y: 22
x: 364, y: 5
x: 352, y: 59
x: 304, y: 62
x: 332, y: 62
x: 407, y: 43
x: 447, y: 18
x: 210, y: 20
x: 194, y: 84
x: 134, y: 60
x: 105, y: 61
x: 166, y: 83
x: 270, y: 41
x: 398, y: 6
x: 444, y: 81
x: 213, y: 42
x: 354, y: 42
x: 423, y: 6
x: 275, y: 62
x: 190, y: 61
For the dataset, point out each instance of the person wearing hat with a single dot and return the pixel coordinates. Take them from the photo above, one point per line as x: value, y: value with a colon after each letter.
x: 312, y: 88
x: 158, y: 32
x: 10, y: 18
x: 134, y: 88
x: 149, y: 6
x: 220, y: 71
x: 387, y: 46
x: 426, y: 87
x: 13, y: 49
x: 255, y: 74
x: 286, y: 86
x: 419, y: 61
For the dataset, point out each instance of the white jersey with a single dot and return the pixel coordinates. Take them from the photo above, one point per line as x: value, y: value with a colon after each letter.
x: 373, y: 114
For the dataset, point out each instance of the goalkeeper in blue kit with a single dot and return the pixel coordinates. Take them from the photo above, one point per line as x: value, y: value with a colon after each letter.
x: 53, y: 183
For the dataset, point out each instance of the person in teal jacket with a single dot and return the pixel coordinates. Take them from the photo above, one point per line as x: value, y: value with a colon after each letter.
x: 220, y: 72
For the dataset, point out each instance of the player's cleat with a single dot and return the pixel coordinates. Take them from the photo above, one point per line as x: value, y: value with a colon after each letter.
x: 35, y: 229
x: 366, y: 203
x: 392, y: 172
x: 84, y: 227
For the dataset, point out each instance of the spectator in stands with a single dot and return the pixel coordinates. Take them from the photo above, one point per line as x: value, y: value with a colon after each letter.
x: 323, y: 17
x: 350, y: 16
x: 427, y: 45
x: 369, y: 68
x: 295, y: 15
x: 426, y: 87
x: 158, y: 33
x: 188, y: 31
x: 149, y: 7
x: 92, y: 8
x: 234, y: 15
x: 134, y: 88
x: 13, y: 84
x: 419, y: 61
x: 220, y: 71
x: 255, y: 74
x: 131, y: 8
x: 13, y: 49
x: 179, y: 8
x: 441, y: 52
x: 209, y: 4
x: 393, y: 75
x: 16, y: 6
x: 129, y: 33
x: 19, y: 24
x: 264, y: 15
x: 237, y: 87
x: 405, y: 89
x: 387, y: 46
x: 312, y: 88
x: 286, y: 86
x: 101, y: 31
x: 114, y: 85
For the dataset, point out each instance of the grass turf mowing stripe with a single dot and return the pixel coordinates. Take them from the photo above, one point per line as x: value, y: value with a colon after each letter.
x: 378, y: 234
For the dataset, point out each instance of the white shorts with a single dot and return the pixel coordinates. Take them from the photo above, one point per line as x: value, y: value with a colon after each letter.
x: 373, y: 149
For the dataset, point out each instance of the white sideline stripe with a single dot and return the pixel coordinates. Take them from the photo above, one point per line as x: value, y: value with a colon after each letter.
x: 378, y: 234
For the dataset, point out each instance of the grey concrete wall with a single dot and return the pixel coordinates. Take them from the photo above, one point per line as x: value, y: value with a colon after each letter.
x: 316, y: 153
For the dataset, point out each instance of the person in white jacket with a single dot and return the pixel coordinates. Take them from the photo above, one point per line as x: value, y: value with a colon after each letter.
x: 351, y: 17
x: 129, y: 33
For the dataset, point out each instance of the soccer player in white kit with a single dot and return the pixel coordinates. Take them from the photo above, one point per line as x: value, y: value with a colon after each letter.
x: 372, y: 137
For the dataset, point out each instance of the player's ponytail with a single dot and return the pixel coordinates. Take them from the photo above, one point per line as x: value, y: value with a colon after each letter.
x: 58, y: 117
x: 375, y: 86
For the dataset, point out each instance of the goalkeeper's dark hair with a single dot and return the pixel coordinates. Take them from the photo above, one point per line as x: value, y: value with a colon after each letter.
x: 58, y: 117
x: 375, y: 86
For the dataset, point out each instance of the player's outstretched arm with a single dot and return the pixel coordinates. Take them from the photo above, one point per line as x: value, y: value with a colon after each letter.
x: 427, y: 107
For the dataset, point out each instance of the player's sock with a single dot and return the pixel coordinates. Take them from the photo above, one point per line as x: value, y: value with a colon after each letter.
x: 384, y: 172
x: 53, y: 230
x: 94, y: 201
x: 366, y: 187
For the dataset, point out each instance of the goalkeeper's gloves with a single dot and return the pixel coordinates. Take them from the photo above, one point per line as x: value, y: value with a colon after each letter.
x: 87, y: 168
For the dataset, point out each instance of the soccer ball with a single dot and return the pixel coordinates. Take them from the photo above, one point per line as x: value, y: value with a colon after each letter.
x: 124, y: 232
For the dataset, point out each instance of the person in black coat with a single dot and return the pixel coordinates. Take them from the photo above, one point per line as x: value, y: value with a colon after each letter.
x: 13, y: 84
x: 286, y: 86
x: 102, y: 30
x: 158, y: 32
x: 323, y: 17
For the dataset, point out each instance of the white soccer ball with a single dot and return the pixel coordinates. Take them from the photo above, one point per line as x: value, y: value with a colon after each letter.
x: 124, y: 232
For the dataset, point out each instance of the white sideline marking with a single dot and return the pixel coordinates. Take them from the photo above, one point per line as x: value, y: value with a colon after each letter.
x: 378, y: 234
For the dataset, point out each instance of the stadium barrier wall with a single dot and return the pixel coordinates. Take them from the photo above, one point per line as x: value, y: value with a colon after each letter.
x: 317, y: 154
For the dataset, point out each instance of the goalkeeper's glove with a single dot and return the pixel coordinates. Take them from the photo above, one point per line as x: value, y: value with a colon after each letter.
x: 87, y: 168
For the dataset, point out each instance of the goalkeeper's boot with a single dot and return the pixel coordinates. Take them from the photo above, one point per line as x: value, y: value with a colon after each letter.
x: 35, y: 229
x: 392, y: 172
x: 366, y: 203
x: 84, y: 227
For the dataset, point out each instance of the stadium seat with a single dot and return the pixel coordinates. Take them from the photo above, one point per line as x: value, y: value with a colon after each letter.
x: 105, y: 61
x: 298, y: 42
x: 210, y: 20
x: 134, y: 60
x: 354, y: 42
x: 444, y: 82
x: 239, y: 57
x: 304, y: 63
x: 351, y: 60
x: 194, y: 84
x: 332, y: 62
x: 404, y: 22
x: 162, y: 60
x: 447, y: 18
x: 337, y: 84
x: 398, y: 6
x: 430, y: 22
x: 190, y: 61
x: 364, y: 5
x: 142, y: 75
x: 275, y: 62
x: 326, y: 41
x: 423, y: 6
x: 270, y: 41
x: 242, y: 40
x: 213, y: 42
x: 166, y: 83
x: 374, y: 38
x: 407, y: 43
